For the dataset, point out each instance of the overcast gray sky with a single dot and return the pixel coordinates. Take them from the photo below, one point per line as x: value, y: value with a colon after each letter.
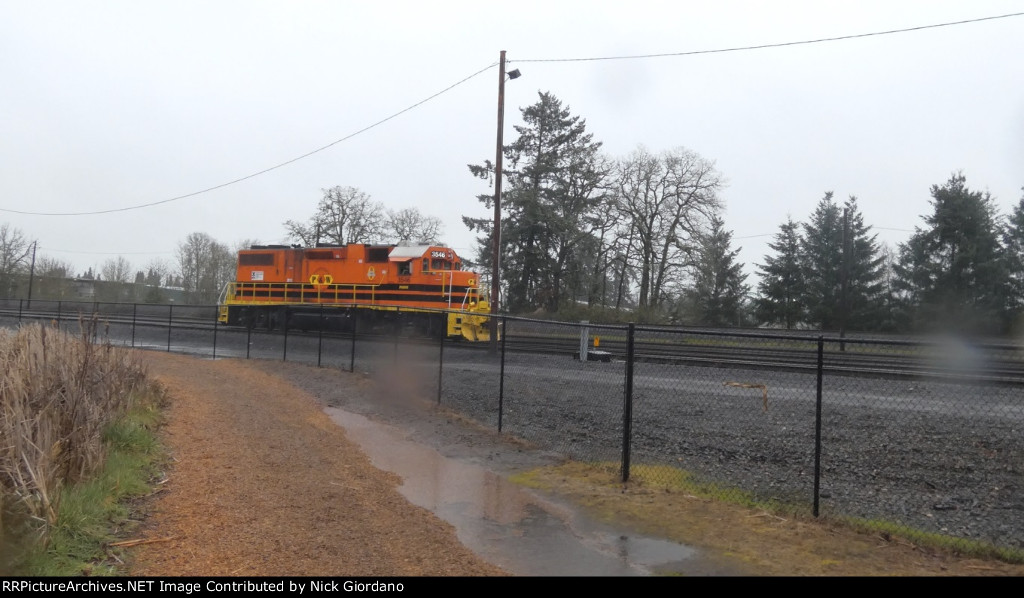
x: 108, y: 105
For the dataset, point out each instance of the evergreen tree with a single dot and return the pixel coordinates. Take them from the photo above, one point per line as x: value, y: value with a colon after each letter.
x: 951, y: 274
x: 553, y: 185
x: 153, y: 277
x: 781, y: 289
x: 865, y: 272
x: 718, y: 291
x: 1013, y: 262
x: 842, y: 268
x: 821, y: 262
x: 892, y: 315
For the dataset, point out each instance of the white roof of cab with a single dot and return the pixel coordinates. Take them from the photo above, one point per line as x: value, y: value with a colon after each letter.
x: 408, y: 251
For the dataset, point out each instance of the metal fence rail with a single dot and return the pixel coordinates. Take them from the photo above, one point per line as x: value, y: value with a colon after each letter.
x: 913, y: 437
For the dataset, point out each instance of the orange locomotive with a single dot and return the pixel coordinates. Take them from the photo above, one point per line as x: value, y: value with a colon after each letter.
x: 356, y: 285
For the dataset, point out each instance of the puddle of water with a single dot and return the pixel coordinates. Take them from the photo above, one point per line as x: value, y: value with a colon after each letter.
x: 509, y: 525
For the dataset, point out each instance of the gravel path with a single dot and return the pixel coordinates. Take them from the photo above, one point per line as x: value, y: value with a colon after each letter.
x: 264, y: 484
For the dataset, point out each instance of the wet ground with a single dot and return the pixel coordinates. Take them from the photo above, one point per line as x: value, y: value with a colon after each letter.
x: 511, y: 526
x: 481, y: 526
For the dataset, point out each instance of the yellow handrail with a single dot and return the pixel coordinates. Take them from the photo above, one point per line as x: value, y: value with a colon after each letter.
x: 245, y: 292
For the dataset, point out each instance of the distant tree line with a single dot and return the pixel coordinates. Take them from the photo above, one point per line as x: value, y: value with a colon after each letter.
x: 641, y: 237
x: 202, y: 266
x: 348, y: 215
x: 961, y: 271
x: 201, y: 269
x: 641, y: 233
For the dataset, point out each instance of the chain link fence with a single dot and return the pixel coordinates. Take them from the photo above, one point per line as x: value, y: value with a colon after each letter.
x: 920, y: 438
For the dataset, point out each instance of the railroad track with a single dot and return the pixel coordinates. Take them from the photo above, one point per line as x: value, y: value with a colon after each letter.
x: 994, y: 364
x: 1000, y: 364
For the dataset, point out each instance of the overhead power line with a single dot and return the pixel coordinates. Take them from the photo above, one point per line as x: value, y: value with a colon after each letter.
x: 775, y: 45
x: 108, y: 252
x: 901, y: 230
x: 258, y: 173
x: 460, y: 82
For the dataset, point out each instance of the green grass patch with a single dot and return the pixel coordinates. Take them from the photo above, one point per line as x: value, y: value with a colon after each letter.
x: 932, y: 540
x: 673, y: 479
x: 669, y: 479
x: 96, y: 512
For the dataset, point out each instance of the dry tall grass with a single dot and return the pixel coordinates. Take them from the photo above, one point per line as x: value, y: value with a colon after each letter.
x: 57, y: 394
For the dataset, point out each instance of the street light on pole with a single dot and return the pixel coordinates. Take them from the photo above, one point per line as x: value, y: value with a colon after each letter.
x: 499, y: 153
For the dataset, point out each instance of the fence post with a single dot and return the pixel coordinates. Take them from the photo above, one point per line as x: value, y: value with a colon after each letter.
x: 58, y: 314
x: 284, y: 349
x: 501, y: 374
x: 817, y: 426
x: 398, y: 329
x: 627, y: 407
x: 584, y: 339
x: 170, y: 318
x: 216, y: 321
x: 248, y: 338
x: 440, y: 364
x: 135, y: 309
x: 352, y: 352
x: 19, y: 310
x: 320, y: 337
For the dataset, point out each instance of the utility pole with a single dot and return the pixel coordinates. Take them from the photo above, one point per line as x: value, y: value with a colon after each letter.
x: 496, y: 256
x: 31, y: 274
x: 498, y: 155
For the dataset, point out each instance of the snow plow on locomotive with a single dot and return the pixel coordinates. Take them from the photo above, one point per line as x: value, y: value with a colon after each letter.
x: 356, y: 286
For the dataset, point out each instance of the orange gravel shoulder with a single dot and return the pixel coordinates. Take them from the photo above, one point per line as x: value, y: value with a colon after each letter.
x: 262, y: 483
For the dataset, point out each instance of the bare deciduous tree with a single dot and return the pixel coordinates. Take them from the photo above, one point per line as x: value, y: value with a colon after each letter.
x: 665, y: 201
x: 344, y: 215
x: 205, y: 267
x: 412, y: 225
x: 53, y: 267
x: 157, y: 272
x: 116, y: 269
x: 15, y: 250
x: 115, y: 274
